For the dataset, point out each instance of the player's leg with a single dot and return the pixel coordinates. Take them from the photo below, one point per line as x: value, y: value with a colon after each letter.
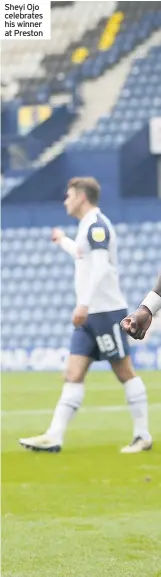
x: 71, y: 398
x: 136, y: 397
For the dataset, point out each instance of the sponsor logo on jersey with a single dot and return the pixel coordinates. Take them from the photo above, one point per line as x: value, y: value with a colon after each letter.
x: 98, y: 234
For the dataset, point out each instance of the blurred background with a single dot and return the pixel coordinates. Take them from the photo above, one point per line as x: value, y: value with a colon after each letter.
x: 87, y: 102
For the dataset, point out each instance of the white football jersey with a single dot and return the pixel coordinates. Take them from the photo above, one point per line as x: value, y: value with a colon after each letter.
x: 96, y: 275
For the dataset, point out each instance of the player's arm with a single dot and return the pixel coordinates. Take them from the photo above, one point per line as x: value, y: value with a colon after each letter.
x: 98, y: 269
x: 59, y: 237
x: 137, y: 324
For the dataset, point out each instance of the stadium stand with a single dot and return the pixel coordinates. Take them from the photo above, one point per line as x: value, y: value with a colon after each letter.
x: 82, y: 46
x: 139, y: 100
x: 107, y: 31
x: 37, y: 301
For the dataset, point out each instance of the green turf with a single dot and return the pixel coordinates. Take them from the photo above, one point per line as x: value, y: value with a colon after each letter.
x: 89, y: 511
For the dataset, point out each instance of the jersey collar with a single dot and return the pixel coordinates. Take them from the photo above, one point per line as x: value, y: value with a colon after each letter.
x: 87, y: 217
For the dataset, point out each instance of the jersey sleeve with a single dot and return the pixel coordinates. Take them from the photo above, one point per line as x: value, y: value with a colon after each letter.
x: 98, y: 236
x: 69, y: 246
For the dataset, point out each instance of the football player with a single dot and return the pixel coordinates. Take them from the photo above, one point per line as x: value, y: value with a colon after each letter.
x: 100, y: 307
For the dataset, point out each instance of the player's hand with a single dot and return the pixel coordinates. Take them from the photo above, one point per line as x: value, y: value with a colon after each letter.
x: 80, y: 315
x: 137, y: 324
x: 57, y: 235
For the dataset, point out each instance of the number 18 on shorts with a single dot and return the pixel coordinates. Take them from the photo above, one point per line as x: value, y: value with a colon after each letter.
x: 101, y: 337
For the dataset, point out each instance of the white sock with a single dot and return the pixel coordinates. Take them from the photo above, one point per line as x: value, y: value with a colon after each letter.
x: 137, y: 400
x: 69, y: 402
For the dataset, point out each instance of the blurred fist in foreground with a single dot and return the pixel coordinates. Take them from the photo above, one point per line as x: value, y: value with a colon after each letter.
x: 137, y: 324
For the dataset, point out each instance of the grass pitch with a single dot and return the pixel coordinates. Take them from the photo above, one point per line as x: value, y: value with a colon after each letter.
x: 88, y: 511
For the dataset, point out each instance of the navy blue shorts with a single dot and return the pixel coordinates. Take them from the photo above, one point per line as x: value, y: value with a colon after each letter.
x: 101, y: 337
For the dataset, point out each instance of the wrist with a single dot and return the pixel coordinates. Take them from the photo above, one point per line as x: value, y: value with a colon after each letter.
x: 152, y: 302
x: 144, y: 308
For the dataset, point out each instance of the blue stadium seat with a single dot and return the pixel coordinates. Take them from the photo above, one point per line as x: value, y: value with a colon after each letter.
x: 10, y: 287
x: 13, y: 343
x: 66, y: 342
x: 26, y: 315
x: 71, y: 230
x: 58, y: 329
x: 148, y: 227
x: 42, y: 272
x: 22, y: 259
x: 69, y: 330
x: 47, y: 258
x: 29, y: 272
x: 19, y: 299
x: 52, y: 342
x: 64, y: 315
x: 8, y: 234
x: 29, y: 245
x: 68, y: 270
x: 6, y: 273
x: 21, y: 233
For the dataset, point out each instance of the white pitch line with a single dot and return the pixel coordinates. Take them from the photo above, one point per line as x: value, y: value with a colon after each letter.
x: 91, y: 409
